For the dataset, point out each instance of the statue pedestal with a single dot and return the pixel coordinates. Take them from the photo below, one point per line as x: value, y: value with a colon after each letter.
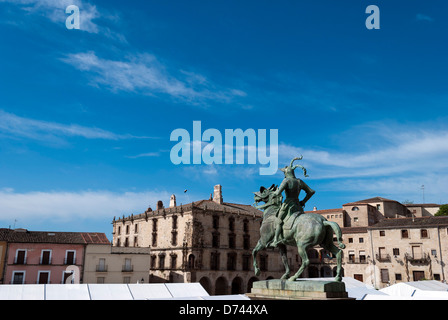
x: 298, y: 290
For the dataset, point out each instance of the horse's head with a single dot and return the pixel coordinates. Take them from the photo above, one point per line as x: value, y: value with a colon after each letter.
x: 267, y: 196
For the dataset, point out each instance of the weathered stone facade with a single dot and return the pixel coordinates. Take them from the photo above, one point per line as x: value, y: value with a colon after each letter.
x: 387, y: 242
x: 208, y: 241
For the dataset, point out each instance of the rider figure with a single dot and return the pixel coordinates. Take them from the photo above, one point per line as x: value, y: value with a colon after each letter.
x: 292, y: 187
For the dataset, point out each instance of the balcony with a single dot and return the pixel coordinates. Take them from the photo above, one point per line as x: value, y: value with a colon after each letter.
x: 359, y: 260
x: 383, y: 257
x: 101, y: 268
x: 417, y: 259
x: 127, y: 268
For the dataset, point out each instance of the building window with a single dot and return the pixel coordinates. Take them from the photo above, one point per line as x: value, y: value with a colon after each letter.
x: 154, y: 239
x: 135, y: 241
x: 215, y: 240
x: 101, y: 267
x: 45, y: 257
x: 127, y: 229
x: 126, y: 279
x: 70, y: 256
x: 355, y: 219
x: 355, y: 209
x: 161, y: 261
x: 43, y: 277
x: 384, y: 275
x: 119, y: 230
x: 154, y: 225
x: 404, y: 234
x: 424, y: 233
x: 382, y: 233
x: 100, y: 280
x: 232, y: 241
x: 174, y: 223
x: 214, y: 261
x: 127, y: 267
x: 232, y: 224
x: 396, y: 251
x: 215, y: 222
x: 153, y: 261
x: 378, y: 207
x: 246, y: 262
x: 173, y: 261
x: 246, y: 225
x: 18, y: 277
x: 20, y: 257
x: 118, y: 242
x: 174, y: 238
x: 350, y: 240
x: 191, y: 261
x: 68, y: 277
x: 231, y: 261
x: 361, y: 240
x: 136, y: 228
x: 246, y: 242
x: 126, y: 242
x: 398, y: 277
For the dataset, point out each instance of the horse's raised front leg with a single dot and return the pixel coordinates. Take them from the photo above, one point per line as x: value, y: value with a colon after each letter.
x: 284, y: 255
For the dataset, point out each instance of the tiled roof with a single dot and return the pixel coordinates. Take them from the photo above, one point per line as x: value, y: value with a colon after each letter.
x: 422, y: 205
x: 370, y: 200
x: 411, y: 223
x: 325, y: 211
x: 25, y: 236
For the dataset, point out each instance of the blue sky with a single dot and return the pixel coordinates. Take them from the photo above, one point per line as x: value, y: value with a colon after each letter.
x: 86, y: 115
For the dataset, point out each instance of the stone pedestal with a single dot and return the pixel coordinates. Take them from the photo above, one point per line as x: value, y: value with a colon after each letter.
x: 298, y: 290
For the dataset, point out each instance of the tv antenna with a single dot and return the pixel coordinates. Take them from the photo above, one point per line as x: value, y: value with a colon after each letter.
x: 423, y: 192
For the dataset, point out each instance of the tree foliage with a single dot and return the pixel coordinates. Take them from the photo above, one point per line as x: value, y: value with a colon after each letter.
x: 443, y: 210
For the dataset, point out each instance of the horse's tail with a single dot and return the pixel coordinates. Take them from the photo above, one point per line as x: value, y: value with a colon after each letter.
x: 337, y: 231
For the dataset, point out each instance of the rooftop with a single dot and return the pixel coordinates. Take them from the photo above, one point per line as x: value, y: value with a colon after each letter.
x: 26, y: 236
x: 411, y: 223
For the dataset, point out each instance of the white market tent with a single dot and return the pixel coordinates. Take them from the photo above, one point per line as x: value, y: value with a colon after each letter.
x: 150, y: 291
x: 418, y: 290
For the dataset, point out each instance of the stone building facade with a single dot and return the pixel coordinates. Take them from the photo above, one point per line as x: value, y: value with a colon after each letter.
x: 387, y: 242
x: 207, y: 241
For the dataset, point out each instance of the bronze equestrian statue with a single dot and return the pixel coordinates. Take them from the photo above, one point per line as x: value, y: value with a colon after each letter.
x: 286, y: 224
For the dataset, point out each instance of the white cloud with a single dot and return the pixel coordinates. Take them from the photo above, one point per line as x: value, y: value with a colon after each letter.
x: 73, y: 206
x: 143, y: 73
x: 411, y: 151
x: 54, y: 10
x: 19, y: 127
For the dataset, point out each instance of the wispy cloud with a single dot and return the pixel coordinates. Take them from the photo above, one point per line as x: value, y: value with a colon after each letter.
x: 14, y: 126
x: 403, y: 152
x: 423, y: 17
x: 73, y: 206
x: 394, y: 162
x: 143, y: 73
x: 54, y: 10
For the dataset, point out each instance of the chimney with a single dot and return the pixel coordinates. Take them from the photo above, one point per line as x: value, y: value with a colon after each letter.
x: 172, y: 201
x: 315, y: 209
x: 159, y: 205
x: 217, y: 194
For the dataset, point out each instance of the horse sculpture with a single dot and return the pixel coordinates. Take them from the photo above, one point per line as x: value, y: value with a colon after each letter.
x: 301, y: 230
